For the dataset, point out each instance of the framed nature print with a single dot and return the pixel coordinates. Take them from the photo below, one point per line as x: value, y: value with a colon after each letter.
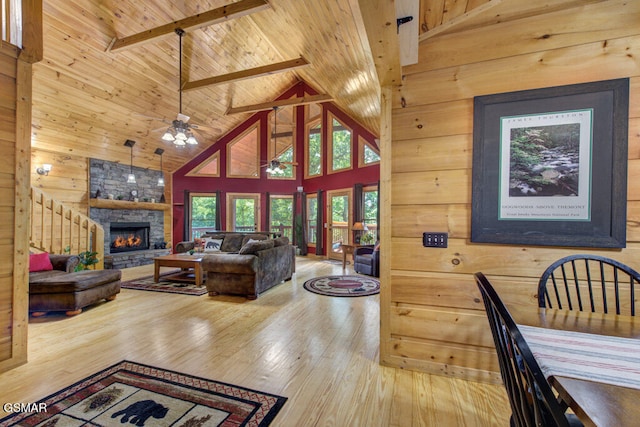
x: 550, y: 166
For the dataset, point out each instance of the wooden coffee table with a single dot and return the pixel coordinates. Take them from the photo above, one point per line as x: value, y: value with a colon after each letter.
x: 183, y: 261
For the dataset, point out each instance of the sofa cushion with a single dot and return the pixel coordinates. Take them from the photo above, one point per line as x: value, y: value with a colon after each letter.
x: 252, y: 247
x: 40, y: 262
x: 232, y: 242
x: 281, y: 241
x: 38, y: 276
x: 74, y: 282
x: 212, y: 245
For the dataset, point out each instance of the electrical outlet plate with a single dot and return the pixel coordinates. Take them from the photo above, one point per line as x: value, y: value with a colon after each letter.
x: 435, y: 240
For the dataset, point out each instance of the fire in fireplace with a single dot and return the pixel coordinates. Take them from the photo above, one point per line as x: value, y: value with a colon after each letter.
x: 129, y: 236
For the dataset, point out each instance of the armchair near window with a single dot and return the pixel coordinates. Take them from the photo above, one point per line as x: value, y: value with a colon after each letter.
x: 366, y: 260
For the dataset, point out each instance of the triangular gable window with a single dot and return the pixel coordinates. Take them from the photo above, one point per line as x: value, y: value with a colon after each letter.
x: 208, y: 168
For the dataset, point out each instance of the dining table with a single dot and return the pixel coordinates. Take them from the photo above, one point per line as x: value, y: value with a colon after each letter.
x: 592, y: 360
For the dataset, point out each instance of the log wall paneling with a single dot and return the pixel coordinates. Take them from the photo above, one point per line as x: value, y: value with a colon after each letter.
x: 15, y: 116
x: 435, y: 320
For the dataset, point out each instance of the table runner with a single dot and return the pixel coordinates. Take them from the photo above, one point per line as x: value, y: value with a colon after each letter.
x: 599, y: 358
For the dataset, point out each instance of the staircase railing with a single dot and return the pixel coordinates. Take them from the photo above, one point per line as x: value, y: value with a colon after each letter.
x: 58, y: 229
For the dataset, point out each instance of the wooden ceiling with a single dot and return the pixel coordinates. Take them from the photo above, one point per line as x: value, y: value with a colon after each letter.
x: 88, y: 100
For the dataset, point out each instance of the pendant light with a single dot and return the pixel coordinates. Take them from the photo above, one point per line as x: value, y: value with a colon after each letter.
x: 160, y: 151
x: 180, y: 130
x: 131, y: 178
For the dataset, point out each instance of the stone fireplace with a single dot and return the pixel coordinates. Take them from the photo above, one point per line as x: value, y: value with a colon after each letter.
x: 133, y: 231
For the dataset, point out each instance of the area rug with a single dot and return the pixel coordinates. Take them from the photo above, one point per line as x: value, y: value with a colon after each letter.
x: 343, y: 286
x: 129, y: 393
x: 165, y: 285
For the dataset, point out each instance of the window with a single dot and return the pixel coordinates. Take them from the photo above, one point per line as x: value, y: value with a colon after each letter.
x: 210, y: 167
x: 281, y: 215
x: 203, y: 214
x: 340, y: 145
x: 282, y: 142
x: 242, y: 155
x: 312, y: 220
x: 313, y: 152
x: 368, y: 154
x: 370, y: 212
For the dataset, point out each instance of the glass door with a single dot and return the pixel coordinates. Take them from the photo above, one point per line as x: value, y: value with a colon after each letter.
x: 338, y: 222
x: 243, y: 212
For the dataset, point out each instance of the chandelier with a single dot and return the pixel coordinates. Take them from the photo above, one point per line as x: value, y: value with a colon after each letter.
x: 180, y: 130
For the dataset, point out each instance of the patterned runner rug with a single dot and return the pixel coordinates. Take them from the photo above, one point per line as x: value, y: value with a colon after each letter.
x: 129, y: 393
x: 343, y: 286
x: 166, y: 284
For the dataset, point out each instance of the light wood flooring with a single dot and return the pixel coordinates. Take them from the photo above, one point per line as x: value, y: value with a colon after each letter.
x: 320, y: 352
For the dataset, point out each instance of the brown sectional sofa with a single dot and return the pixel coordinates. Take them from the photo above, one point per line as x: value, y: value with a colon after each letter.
x: 246, y: 268
x: 63, y: 289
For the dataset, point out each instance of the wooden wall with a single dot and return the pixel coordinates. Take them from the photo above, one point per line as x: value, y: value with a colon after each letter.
x: 68, y: 181
x: 432, y: 318
x: 15, y: 111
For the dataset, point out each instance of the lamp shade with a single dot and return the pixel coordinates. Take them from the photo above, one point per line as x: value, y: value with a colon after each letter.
x: 359, y: 226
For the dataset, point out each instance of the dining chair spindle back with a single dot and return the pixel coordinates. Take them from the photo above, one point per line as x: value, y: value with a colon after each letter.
x: 589, y: 283
x: 532, y: 400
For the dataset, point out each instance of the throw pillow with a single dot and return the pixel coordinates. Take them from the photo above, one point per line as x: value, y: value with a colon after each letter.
x: 39, y: 262
x: 212, y: 245
x: 253, y: 237
x: 251, y: 248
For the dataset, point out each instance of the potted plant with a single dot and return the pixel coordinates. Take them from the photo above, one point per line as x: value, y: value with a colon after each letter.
x: 87, y: 259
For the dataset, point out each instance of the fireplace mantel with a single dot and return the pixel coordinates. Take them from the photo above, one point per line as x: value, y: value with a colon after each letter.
x: 125, y: 204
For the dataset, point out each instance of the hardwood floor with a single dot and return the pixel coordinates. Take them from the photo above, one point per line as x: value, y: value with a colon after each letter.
x: 320, y: 352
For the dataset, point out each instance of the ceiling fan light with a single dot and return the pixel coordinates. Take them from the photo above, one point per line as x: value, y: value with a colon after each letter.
x: 168, y: 136
x: 192, y: 140
x: 180, y: 135
x: 179, y: 142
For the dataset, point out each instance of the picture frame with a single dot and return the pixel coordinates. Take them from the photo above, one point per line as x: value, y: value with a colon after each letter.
x: 550, y: 166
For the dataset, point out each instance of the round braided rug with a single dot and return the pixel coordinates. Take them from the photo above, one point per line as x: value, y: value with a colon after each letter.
x: 343, y: 286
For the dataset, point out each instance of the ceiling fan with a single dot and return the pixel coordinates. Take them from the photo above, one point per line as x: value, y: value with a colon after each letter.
x: 276, y: 166
x: 180, y: 131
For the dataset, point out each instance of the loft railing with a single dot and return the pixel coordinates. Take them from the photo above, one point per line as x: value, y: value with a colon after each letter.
x: 58, y: 229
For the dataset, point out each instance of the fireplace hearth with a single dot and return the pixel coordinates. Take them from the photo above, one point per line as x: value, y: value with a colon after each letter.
x: 129, y: 236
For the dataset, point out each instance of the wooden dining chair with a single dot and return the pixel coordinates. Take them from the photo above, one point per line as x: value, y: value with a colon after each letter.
x: 532, y: 400
x: 589, y: 283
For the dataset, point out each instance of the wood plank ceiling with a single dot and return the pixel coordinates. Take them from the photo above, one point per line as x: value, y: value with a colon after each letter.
x: 88, y: 100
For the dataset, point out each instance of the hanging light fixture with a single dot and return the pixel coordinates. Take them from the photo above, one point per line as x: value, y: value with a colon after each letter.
x: 275, y: 167
x: 160, y: 151
x: 131, y: 178
x: 180, y: 130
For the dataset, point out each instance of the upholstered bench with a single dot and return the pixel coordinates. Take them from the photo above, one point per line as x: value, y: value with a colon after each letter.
x: 71, y: 292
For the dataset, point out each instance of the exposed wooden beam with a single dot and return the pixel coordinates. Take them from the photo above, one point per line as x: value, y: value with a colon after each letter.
x: 379, y: 18
x: 32, y: 30
x: 247, y: 74
x: 311, y: 99
x: 496, y: 11
x: 214, y: 16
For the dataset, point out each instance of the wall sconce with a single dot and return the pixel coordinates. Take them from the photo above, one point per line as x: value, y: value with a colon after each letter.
x: 131, y: 178
x: 44, y: 169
